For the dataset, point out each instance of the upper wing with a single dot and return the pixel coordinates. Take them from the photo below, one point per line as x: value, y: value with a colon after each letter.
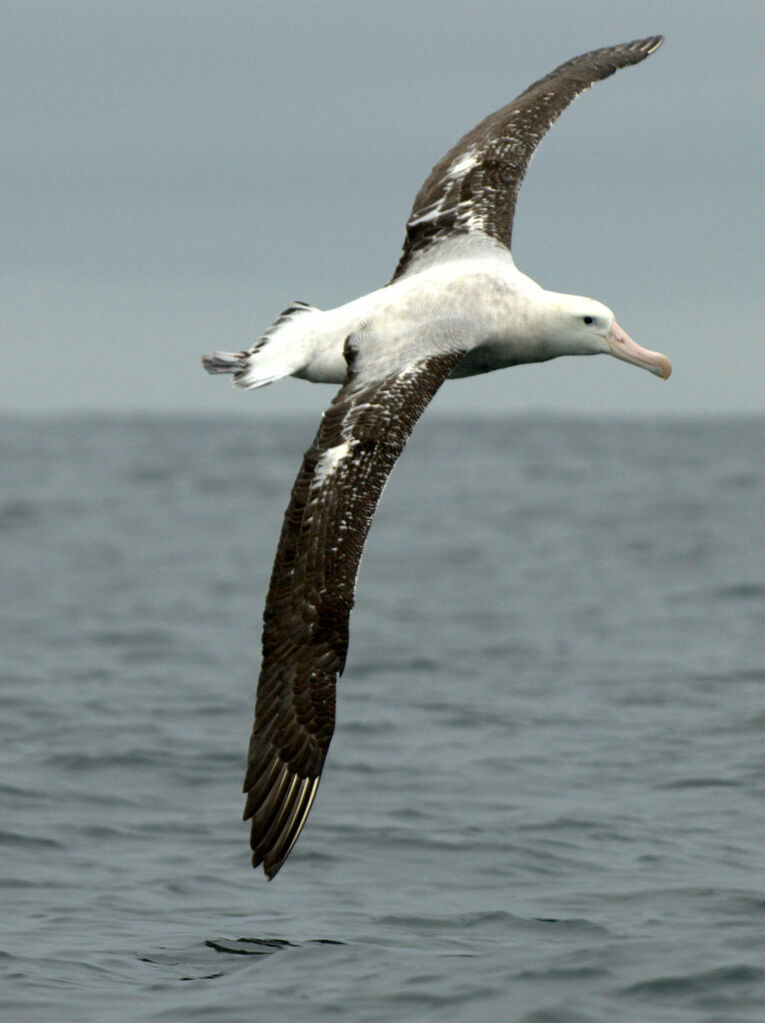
x: 474, y: 187
x: 305, y: 634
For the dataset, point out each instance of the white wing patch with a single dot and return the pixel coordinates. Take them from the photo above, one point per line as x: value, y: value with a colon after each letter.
x: 445, y: 201
x: 464, y: 162
x: 329, y: 461
x: 432, y: 212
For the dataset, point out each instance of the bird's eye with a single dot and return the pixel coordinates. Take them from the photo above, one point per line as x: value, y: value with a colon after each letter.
x: 588, y: 320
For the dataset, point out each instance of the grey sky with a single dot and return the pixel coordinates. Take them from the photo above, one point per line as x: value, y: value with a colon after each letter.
x: 174, y: 174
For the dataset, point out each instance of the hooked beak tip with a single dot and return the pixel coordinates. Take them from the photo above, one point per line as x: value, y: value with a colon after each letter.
x: 623, y: 347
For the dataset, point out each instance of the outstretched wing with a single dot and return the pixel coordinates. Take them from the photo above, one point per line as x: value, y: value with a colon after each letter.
x: 305, y: 634
x: 475, y: 186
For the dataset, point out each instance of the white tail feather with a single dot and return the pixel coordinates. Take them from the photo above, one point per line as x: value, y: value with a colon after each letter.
x: 273, y: 356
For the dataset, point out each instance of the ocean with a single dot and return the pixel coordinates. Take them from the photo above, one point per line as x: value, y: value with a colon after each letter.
x: 545, y: 797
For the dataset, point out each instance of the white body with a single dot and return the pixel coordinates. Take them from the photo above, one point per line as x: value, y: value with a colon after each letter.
x: 485, y: 304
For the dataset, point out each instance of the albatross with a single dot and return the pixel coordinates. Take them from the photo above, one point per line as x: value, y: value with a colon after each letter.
x: 456, y: 306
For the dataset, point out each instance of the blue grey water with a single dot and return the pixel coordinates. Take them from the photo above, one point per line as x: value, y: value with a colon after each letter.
x: 545, y: 798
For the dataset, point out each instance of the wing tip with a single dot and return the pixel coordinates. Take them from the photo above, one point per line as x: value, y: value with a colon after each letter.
x: 648, y: 45
x: 269, y: 869
x: 278, y: 818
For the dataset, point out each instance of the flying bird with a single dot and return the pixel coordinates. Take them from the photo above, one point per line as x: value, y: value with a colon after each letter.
x: 456, y: 306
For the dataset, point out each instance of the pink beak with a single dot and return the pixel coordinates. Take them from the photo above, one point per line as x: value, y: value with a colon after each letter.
x: 623, y: 347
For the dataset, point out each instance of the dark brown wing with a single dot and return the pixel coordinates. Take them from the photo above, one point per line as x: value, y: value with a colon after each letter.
x: 305, y: 634
x: 475, y: 186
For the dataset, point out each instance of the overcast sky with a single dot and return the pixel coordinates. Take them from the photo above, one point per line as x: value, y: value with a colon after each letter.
x: 175, y: 173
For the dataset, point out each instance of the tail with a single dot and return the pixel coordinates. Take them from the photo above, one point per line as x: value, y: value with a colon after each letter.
x: 225, y: 362
x: 269, y: 359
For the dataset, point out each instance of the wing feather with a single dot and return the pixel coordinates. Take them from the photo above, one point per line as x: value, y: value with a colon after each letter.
x: 305, y: 623
x: 475, y: 186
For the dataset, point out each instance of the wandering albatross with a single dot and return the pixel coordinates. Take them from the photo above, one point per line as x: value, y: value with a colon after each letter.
x: 456, y: 306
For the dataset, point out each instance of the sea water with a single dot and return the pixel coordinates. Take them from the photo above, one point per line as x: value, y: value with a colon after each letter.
x: 545, y: 797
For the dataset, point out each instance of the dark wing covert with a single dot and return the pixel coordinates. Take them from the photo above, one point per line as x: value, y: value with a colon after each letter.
x: 475, y: 186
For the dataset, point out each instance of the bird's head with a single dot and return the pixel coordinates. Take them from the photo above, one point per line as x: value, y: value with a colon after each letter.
x: 582, y: 326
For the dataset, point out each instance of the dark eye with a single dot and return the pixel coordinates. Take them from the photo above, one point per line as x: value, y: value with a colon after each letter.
x: 588, y: 320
